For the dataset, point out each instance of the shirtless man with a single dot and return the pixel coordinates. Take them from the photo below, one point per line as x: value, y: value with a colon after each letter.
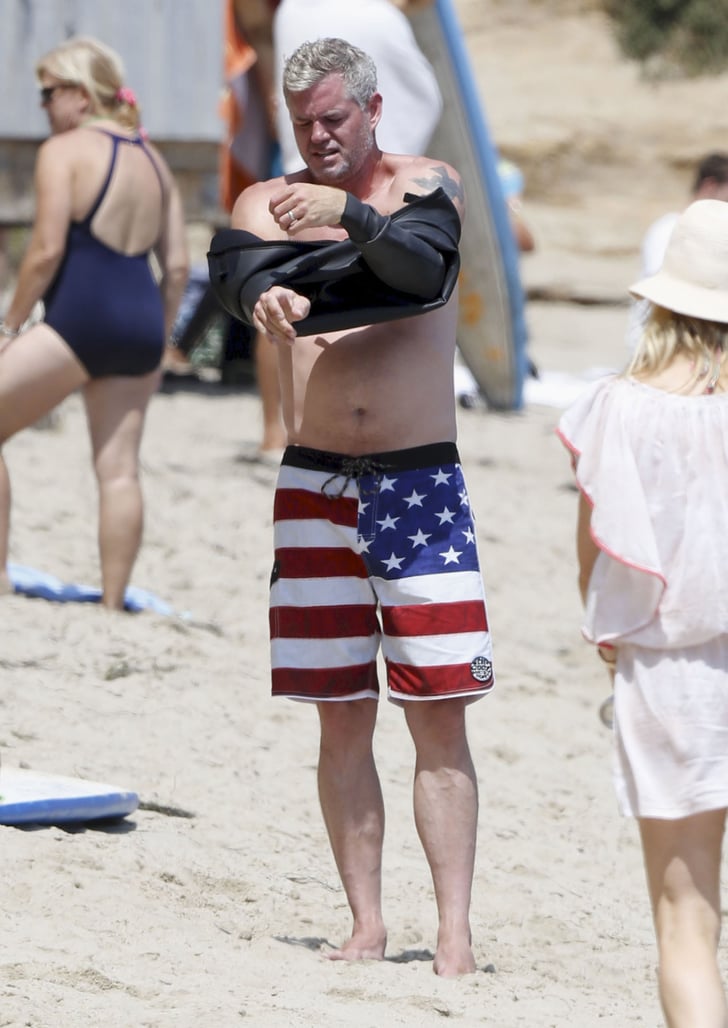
x: 371, y: 510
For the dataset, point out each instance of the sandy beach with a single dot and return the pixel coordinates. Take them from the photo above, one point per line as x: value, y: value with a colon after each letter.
x: 215, y: 903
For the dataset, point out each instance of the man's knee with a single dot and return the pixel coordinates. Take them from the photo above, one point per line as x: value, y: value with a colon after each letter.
x: 444, y: 720
x: 347, y: 723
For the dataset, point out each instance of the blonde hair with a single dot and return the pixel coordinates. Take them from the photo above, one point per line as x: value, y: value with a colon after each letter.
x: 668, y: 335
x: 83, y: 61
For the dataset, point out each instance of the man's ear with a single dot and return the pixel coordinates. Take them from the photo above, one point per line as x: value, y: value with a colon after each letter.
x: 375, y: 110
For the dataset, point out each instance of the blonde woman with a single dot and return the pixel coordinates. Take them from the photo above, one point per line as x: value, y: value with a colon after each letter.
x: 105, y: 201
x: 650, y: 449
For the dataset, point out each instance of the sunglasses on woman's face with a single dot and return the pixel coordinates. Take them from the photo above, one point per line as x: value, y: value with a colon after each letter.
x: 46, y: 92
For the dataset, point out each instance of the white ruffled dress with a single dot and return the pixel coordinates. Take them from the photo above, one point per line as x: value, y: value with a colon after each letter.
x: 654, y: 468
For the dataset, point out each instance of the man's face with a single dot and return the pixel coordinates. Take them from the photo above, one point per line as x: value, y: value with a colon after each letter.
x: 335, y: 136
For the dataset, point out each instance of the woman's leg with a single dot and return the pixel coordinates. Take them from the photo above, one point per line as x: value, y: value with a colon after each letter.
x: 682, y: 861
x: 37, y: 371
x: 116, y: 407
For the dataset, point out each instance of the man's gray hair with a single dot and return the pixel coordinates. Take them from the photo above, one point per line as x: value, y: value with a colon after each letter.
x: 316, y: 59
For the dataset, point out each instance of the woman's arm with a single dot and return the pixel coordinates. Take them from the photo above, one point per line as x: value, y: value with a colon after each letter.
x: 171, y: 252
x: 53, y: 189
x: 587, y: 550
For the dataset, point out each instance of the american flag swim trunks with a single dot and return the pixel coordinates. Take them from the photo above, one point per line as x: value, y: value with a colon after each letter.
x: 388, y: 533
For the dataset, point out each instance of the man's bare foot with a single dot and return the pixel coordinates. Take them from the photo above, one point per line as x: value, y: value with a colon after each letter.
x: 361, y: 946
x: 453, y: 959
x: 6, y: 586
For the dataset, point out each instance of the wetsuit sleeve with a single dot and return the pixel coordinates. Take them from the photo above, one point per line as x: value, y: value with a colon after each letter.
x: 408, y: 256
x: 391, y: 267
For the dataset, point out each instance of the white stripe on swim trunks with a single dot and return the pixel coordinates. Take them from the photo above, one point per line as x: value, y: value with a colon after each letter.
x: 333, y: 591
x: 417, y: 651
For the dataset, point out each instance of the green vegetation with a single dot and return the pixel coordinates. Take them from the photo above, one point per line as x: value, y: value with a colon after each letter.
x: 687, y: 36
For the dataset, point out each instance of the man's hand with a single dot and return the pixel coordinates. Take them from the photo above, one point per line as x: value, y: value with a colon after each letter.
x: 303, y: 205
x: 277, y: 310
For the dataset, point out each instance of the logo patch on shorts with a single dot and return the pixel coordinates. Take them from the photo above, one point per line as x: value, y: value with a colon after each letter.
x: 481, y: 669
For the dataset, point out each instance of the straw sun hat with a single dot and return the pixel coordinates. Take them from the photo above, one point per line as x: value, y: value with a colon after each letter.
x: 693, y: 279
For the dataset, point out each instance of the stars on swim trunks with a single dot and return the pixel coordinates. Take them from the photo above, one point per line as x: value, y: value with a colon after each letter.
x: 416, y: 523
x: 388, y: 522
x: 414, y: 499
x: 452, y: 556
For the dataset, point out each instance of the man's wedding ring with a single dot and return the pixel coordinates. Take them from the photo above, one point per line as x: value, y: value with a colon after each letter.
x: 291, y: 218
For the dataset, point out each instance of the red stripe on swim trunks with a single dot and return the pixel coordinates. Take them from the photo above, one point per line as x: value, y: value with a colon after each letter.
x: 321, y: 562
x: 435, y: 619
x: 435, y: 681
x: 324, y: 683
x: 345, y: 622
x: 301, y: 504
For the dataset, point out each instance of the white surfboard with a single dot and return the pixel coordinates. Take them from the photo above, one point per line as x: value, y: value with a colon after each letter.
x: 33, y: 797
x: 491, y: 329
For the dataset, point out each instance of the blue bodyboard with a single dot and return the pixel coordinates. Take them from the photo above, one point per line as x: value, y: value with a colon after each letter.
x: 32, y: 797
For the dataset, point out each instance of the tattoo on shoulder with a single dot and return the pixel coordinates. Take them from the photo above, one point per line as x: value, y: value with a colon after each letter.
x: 441, y: 177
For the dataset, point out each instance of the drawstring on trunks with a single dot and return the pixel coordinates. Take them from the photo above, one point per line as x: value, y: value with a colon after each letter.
x: 352, y: 467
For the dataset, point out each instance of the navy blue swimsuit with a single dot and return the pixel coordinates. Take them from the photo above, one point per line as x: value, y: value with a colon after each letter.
x: 106, y: 305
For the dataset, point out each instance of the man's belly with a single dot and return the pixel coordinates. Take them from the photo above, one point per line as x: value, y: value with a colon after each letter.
x: 365, y: 395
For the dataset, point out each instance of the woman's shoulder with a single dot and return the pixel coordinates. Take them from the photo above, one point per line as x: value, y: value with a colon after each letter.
x: 588, y: 416
x: 59, y: 153
x: 79, y: 141
x: 628, y: 412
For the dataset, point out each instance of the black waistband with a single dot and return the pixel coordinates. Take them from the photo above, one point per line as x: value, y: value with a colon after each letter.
x: 368, y: 463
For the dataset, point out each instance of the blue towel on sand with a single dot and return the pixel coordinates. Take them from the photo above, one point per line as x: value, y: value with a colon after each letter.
x: 40, y: 585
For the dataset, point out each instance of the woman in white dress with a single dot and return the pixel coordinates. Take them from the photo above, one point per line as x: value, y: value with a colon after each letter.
x: 650, y: 452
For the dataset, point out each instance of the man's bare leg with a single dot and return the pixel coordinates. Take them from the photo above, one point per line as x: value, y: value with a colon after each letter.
x: 351, y: 801
x: 446, y: 815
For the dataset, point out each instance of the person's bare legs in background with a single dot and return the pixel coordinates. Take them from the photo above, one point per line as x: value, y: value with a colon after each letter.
x: 274, y: 437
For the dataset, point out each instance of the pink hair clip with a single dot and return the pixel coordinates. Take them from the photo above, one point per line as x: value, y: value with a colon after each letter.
x: 126, y: 95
